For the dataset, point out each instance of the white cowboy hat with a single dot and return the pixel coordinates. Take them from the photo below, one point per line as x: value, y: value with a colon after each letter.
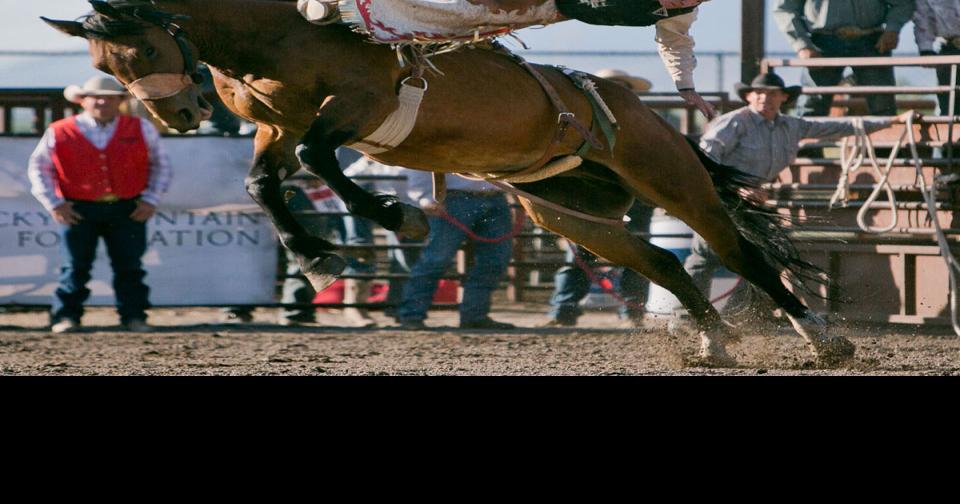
x: 638, y: 84
x: 95, y: 86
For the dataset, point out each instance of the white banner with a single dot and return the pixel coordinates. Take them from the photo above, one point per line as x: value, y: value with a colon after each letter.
x: 207, y: 244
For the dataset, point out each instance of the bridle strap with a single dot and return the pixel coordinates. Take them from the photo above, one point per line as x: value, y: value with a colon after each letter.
x: 189, y: 65
x: 158, y: 86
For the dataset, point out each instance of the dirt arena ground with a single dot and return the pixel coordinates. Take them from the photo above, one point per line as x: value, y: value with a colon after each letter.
x: 194, y: 342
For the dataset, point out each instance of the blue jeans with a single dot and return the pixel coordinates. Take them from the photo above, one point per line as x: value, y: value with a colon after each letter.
x: 703, y: 263
x: 571, y: 283
x: 126, y: 242
x: 401, y: 261
x: 834, y: 47
x: 486, y: 216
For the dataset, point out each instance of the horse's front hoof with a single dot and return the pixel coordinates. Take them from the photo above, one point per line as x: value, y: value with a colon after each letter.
x: 323, y: 271
x: 713, y: 351
x: 413, y: 224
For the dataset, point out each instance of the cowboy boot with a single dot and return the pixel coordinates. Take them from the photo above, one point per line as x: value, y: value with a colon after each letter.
x: 356, y: 317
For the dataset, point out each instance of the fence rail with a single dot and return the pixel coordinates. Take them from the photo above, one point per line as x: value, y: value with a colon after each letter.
x: 536, y: 258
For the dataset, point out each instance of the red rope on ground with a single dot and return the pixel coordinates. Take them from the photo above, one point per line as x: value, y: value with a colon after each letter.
x: 518, y: 221
x: 594, y: 278
x: 729, y: 292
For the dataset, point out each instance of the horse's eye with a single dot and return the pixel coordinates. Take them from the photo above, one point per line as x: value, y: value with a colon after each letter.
x: 151, y: 52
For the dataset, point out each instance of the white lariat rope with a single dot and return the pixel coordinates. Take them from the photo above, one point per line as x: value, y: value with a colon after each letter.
x: 851, y: 160
x: 930, y: 197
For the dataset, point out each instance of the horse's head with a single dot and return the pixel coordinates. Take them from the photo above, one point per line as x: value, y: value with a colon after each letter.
x: 146, y: 51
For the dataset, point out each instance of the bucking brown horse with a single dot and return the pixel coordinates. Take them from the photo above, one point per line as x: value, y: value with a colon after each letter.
x: 311, y: 89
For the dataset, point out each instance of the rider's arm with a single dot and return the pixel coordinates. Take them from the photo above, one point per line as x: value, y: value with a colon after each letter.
x: 676, y: 50
x: 675, y: 46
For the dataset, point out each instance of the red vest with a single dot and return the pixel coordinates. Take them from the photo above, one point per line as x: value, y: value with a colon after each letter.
x: 87, y: 173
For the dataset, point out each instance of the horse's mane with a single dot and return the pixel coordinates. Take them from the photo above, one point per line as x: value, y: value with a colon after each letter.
x: 126, y: 18
x: 98, y: 26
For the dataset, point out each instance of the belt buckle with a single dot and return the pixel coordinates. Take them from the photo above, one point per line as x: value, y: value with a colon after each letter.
x: 849, y: 32
x: 108, y: 198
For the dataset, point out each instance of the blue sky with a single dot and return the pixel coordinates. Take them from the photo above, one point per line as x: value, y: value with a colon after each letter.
x: 20, y: 29
x: 718, y: 29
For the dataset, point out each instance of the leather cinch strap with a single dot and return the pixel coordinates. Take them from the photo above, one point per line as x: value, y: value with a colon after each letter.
x: 565, y: 119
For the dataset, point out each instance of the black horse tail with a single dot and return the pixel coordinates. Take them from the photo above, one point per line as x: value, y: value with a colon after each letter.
x: 761, y: 225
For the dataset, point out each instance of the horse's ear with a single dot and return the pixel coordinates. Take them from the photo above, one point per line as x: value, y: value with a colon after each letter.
x: 102, y: 7
x: 72, y: 28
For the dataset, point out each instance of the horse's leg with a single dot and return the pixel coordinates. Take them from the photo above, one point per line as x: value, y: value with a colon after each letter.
x: 270, y: 167
x: 747, y: 260
x: 617, y: 245
x: 686, y: 191
x: 317, y: 154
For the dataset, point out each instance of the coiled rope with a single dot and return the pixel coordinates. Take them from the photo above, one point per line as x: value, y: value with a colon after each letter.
x: 852, y: 158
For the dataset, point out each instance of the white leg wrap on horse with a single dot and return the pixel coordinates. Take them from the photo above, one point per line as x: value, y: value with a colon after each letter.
x: 713, y: 350
x: 829, y: 350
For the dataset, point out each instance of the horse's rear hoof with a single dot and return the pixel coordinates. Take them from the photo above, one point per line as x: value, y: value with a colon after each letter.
x: 323, y: 271
x: 833, y: 352
x: 829, y: 351
x: 414, y: 224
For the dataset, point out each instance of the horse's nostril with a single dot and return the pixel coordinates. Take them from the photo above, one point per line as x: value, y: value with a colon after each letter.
x: 186, y: 115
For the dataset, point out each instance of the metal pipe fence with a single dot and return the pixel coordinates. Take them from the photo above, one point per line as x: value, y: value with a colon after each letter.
x: 535, y: 259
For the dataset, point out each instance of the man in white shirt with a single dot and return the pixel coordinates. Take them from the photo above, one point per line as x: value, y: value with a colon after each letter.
x: 100, y: 175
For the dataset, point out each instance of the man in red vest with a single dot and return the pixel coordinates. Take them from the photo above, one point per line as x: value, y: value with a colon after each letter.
x: 100, y: 174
